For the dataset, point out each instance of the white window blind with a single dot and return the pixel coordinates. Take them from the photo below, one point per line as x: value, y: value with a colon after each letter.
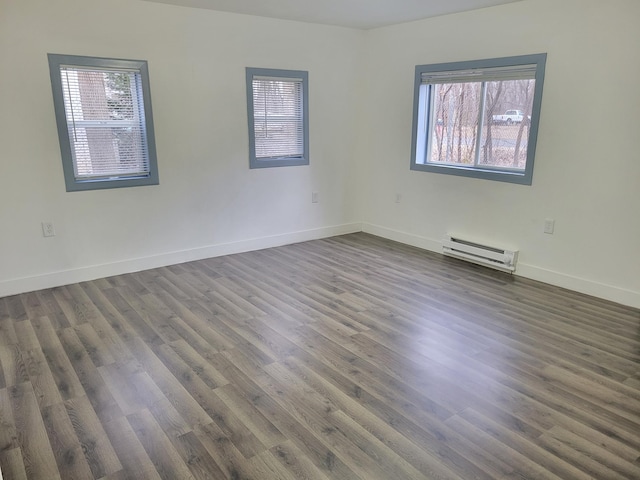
x: 278, y: 119
x: 490, y: 74
x: 105, y: 116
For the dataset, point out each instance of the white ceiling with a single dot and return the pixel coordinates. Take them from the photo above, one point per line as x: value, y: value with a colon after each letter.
x: 347, y: 13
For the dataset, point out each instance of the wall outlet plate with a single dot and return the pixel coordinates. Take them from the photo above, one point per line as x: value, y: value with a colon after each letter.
x: 48, y: 230
x: 549, y: 225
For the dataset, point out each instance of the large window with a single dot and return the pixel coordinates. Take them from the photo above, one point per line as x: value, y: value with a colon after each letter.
x: 278, y: 113
x: 103, y: 113
x: 478, y: 118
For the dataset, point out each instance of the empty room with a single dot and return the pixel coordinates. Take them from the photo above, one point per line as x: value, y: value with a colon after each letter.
x: 338, y: 239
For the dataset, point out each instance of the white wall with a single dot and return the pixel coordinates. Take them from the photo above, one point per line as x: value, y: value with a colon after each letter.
x: 587, y: 167
x: 208, y: 201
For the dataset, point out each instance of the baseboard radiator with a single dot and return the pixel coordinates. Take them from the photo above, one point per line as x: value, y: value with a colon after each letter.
x: 493, y: 257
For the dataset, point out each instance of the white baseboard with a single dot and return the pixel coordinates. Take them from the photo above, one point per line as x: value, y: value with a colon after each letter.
x: 403, y: 237
x: 66, y: 277
x: 83, y: 274
x: 589, y: 287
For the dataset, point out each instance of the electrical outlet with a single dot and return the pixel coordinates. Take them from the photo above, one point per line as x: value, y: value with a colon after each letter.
x: 314, y: 197
x: 549, y: 225
x: 48, y: 229
x: 398, y: 197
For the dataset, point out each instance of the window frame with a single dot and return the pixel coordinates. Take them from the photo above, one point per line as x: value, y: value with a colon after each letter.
x: 284, y: 161
x: 73, y: 184
x: 492, y: 173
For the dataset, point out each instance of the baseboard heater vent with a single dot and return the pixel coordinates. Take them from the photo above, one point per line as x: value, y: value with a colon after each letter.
x: 493, y: 257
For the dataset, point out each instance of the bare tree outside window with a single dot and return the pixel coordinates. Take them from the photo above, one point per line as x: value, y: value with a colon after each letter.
x: 455, y: 128
x: 457, y: 115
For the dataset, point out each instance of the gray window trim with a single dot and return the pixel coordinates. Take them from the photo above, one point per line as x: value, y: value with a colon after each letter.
x: 255, y: 162
x: 523, y: 178
x: 73, y: 184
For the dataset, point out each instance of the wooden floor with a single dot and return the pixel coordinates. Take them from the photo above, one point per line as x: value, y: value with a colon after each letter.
x: 345, y: 358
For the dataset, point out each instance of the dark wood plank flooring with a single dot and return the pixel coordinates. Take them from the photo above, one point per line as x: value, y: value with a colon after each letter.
x: 346, y: 358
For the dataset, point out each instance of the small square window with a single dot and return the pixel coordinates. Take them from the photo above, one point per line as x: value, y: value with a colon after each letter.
x: 278, y: 114
x: 105, y: 127
x: 479, y: 118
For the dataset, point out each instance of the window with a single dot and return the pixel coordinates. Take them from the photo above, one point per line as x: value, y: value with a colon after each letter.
x: 278, y: 114
x: 103, y: 112
x: 478, y: 118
